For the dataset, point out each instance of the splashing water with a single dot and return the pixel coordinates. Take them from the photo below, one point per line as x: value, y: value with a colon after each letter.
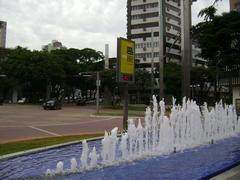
x: 186, y: 127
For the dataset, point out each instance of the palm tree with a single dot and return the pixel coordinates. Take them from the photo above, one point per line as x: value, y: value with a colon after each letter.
x: 209, y: 12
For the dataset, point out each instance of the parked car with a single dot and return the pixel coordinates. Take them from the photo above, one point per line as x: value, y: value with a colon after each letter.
x: 22, y: 101
x: 52, y: 104
x: 1, y: 101
x: 81, y: 102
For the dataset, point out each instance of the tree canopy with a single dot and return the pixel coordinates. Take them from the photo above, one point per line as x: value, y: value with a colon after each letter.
x: 34, y: 71
x: 219, y: 39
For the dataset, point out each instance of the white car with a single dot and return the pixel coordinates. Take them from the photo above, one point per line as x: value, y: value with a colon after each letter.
x: 22, y: 101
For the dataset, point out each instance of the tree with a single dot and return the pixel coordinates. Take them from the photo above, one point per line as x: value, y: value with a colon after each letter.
x: 75, y: 62
x: 143, y: 84
x: 39, y: 74
x: 172, y: 79
x: 209, y: 12
x: 219, y: 40
x: 33, y: 71
x: 202, y: 79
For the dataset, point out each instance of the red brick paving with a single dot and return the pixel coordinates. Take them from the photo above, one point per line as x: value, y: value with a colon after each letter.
x: 18, y: 122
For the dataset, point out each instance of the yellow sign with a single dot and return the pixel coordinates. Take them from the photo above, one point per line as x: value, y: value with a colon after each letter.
x: 127, y: 56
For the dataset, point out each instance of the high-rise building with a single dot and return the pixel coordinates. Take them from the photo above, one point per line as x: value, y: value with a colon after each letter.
x: 235, y: 5
x: 3, y: 31
x: 143, y: 28
x: 54, y: 45
x: 143, y: 19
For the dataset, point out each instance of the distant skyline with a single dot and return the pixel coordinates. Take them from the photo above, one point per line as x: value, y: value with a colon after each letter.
x: 76, y: 23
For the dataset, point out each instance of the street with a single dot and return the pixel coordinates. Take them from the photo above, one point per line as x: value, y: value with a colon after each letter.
x: 21, y: 122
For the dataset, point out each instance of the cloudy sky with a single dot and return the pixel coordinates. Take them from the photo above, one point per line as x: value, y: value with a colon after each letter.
x: 76, y: 23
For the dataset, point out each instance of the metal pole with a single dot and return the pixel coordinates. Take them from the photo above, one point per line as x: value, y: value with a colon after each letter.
x: 186, y: 47
x: 152, y: 65
x: 125, y: 108
x: 106, y: 56
x: 161, y: 47
x: 97, y: 94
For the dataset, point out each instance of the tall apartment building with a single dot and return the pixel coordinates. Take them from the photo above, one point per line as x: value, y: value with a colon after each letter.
x: 235, y: 5
x: 54, y: 45
x: 3, y: 31
x: 143, y: 28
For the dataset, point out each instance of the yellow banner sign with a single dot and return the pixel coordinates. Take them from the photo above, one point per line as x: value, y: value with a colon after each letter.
x: 127, y: 56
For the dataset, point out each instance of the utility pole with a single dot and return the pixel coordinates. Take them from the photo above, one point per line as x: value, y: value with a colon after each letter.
x: 106, y: 56
x: 98, y: 83
x: 152, y: 65
x: 107, y: 93
x: 162, y: 39
x: 186, y: 46
x: 125, y: 107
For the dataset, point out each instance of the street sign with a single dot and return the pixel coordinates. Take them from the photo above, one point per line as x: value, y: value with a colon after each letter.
x: 126, y: 60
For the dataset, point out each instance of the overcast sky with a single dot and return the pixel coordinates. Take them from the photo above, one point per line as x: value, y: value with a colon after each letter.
x: 76, y: 23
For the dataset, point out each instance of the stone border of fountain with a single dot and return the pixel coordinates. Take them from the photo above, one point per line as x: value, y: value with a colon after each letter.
x: 186, y: 127
x: 37, y: 150
x: 220, y: 173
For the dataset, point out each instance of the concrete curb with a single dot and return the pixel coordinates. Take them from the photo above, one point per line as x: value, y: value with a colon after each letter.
x: 233, y: 173
x: 37, y: 150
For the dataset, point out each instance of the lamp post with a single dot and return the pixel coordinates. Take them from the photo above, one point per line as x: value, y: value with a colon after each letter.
x: 192, y: 87
x: 98, y: 84
x: 1, y: 93
x: 162, y: 40
x: 152, y: 64
x: 186, y: 46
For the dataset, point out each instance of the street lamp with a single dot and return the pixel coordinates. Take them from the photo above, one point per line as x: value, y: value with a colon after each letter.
x: 186, y: 46
x: 98, y: 84
x: 1, y: 97
x: 162, y: 40
x: 192, y: 89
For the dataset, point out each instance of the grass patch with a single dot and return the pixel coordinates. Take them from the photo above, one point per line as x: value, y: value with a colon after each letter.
x: 118, y: 114
x: 130, y: 107
x: 19, y: 146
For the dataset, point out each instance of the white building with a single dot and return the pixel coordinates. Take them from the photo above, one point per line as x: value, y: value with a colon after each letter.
x: 3, y: 31
x: 143, y: 28
x: 197, y: 60
x: 54, y: 45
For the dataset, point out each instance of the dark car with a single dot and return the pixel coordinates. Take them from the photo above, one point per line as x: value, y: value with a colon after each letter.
x: 52, y: 104
x: 81, y: 102
x: 1, y: 101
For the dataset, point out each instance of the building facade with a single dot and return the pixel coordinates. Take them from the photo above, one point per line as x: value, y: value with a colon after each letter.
x: 54, y: 45
x: 143, y: 27
x: 3, y: 32
x: 235, y: 5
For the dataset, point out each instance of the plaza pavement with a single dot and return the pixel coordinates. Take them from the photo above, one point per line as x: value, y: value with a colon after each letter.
x: 21, y: 122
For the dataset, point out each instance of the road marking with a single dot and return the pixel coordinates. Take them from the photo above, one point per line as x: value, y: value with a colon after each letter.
x: 84, y: 122
x: 42, y: 130
x: 62, y: 124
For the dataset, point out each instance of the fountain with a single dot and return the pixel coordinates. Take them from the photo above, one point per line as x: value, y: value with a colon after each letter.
x: 192, y: 142
x: 187, y: 127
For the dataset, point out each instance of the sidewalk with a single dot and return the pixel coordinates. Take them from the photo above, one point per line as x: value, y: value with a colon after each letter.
x: 232, y: 174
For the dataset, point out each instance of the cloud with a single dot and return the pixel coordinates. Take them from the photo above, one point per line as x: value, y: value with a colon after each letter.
x: 222, y: 6
x: 76, y: 23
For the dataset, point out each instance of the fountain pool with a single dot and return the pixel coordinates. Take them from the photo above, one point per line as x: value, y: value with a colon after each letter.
x: 201, y: 162
x: 145, y: 151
